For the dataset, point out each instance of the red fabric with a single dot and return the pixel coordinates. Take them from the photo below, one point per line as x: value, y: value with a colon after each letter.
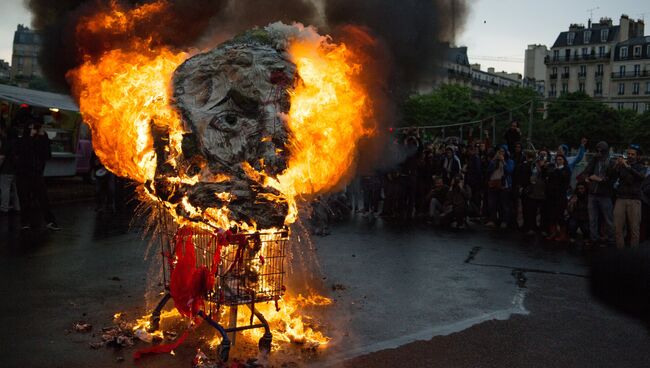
x: 188, y: 283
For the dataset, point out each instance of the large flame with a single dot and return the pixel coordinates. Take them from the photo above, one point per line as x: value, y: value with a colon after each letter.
x: 125, y: 92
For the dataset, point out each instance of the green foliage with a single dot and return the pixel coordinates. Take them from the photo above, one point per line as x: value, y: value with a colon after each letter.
x: 448, y: 105
x: 638, y: 131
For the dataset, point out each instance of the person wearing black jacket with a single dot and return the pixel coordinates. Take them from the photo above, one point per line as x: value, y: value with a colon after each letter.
x: 513, y: 135
x: 598, y: 175
x: 32, y: 151
x: 557, y: 184
x: 627, y: 210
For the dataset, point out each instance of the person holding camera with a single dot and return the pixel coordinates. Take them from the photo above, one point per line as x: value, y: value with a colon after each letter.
x: 32, y: 151
x: 630, y: 174
x: 534, y: 192
x: 499, y: 176
x: 598, y: 175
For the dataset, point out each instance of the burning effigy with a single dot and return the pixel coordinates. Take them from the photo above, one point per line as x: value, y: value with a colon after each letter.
x: 225, y: 143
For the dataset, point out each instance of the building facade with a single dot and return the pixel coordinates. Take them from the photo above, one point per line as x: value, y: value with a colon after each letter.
x: 535, y: 67
x: 631, y: 74
x: 457, y: 70
x: 24, y: 59
x: 5, y: 71
x: 591, y: 59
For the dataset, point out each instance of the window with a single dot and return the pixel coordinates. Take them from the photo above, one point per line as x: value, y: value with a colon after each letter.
x: 635, y: 88
x: 621, y: 105
x: 647, y: 52
x: 566, y: 70
x: 647, y: 88
x: 637, y: 51
x: 565, y: 87
x: 621, y: 88
x: 554, y: 70
x: 647, y: 106
x: 21, y: 60
x: 604, y: 35
x: 601, y: 51
x: 556, y: 55
x: 581, y: 86
x: 599, y: 88
x: 623, y: 52
x: 635, y: 106
x: 637, y: 70
x: 599, y: 70
x: 570, y: 37
x: 587, y: 36
x: 583, y: 70
x: 621, y: 71
x: 585, y: 51
x: 567, y: 54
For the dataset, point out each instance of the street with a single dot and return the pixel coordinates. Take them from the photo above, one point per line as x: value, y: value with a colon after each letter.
x: 404, y: 296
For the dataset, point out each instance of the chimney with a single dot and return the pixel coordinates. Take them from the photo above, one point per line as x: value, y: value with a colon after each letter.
x: 491, y: 70
x: 624, y: 32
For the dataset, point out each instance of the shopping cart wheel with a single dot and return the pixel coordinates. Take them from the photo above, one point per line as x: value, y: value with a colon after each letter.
x: 265, y: 343
x: 223, y: 351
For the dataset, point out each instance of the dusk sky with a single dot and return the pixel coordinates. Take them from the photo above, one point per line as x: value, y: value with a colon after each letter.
x: 499, y: 29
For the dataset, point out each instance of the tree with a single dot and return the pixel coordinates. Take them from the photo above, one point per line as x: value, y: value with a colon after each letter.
x: 500, y: 105
x: 448, y: 105
x: 576, y: 115
x: 637, y: 130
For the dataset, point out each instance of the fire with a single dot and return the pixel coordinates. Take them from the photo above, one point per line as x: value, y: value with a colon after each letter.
x: 330, y: 113
x: 125, y: 93
x: 289, y: 324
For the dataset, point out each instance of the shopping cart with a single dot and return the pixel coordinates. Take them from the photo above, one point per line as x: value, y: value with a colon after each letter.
x: 249, y: 270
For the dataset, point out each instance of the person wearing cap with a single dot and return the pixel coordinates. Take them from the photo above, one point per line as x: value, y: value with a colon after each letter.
x: 630, y: 174
x: 598, y: 175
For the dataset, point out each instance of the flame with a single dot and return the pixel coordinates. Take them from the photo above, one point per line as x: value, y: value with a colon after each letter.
x: 289, y: 324
x: 123, y: 91
x: 330, y: 112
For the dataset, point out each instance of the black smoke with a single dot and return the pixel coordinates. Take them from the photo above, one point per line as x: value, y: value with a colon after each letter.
x: 408, y: 30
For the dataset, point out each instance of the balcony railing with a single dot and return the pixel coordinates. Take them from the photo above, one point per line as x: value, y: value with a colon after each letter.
x: 587, y: 57
x: 552, y: 93
x: 565, y: 75
x: 632, y: 74
x: 598, y: 93
x: 553, y: 76
x: 599, y: 74
x: 582, y: 75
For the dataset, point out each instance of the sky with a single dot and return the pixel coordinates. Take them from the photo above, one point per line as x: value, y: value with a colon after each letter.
x: 494, y: 29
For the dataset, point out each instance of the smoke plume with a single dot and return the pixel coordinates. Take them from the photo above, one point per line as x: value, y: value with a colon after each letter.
x: 409, y: 30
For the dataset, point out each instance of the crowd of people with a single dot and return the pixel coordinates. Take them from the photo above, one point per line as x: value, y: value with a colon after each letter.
x: 24, y: 150
x: 547, y: 192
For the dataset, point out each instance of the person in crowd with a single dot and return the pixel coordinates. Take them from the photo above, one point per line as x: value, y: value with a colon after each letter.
x: 578, y: 208
x: 534, y: 191
x: 437, y: 198
x: 371, y: 187
x: 450, y: 165
x: 572, y: 161
x: 32, y: 151
x: 645, y: 204
x: 518, y: 179
x: 629, y: 174
x: 8, y: 192
x: 499, y: 185
x: 104, y: 187
x: 457, y: 202
x: 598, y: 174
x: 557, y: 185
x: 513, y: 135
x: 424, y: 180
x: 474, y: 179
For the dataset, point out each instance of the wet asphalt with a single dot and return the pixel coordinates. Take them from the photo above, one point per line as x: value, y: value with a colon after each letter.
x: 405, y: 295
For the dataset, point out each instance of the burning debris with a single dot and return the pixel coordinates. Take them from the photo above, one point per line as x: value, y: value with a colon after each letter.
x: 82, y: 327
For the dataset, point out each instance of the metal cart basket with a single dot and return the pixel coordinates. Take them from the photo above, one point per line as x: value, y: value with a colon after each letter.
x: 249, y: 269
